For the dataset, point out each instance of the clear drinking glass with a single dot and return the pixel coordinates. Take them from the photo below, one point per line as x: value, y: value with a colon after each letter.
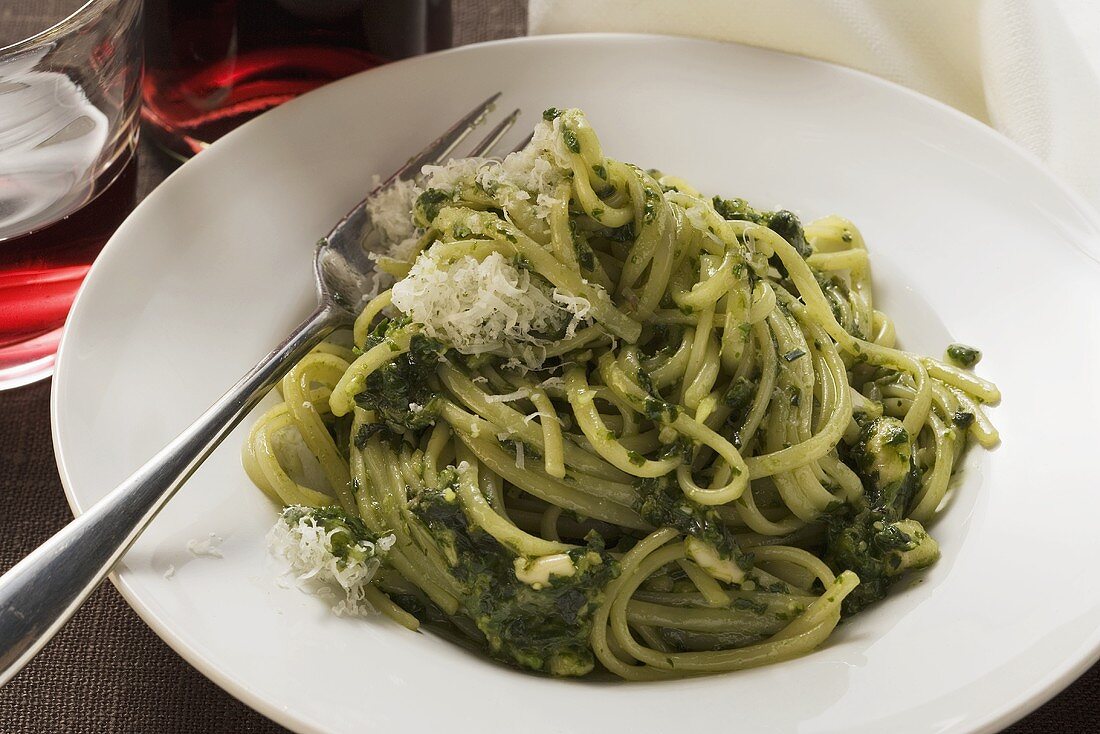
x: 69, y: 115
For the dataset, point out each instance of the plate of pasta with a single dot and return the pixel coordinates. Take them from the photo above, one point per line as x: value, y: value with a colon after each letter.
x: 687, y: 410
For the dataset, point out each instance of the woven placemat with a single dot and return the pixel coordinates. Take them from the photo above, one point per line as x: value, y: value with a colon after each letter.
x: 106, y: 671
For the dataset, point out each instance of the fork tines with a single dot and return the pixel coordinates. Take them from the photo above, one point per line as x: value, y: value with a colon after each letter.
x: 440, y: 149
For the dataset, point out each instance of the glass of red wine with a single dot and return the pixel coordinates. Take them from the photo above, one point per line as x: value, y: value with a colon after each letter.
x: 69, y: 113
x: 213, y: 64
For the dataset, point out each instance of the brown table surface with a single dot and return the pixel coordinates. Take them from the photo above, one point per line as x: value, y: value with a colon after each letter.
x: 106, y: 671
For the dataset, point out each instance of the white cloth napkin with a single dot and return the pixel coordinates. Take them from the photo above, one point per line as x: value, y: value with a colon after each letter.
x: 1029, y: 68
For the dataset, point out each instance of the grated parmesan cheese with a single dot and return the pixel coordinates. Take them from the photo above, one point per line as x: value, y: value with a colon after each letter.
x: 491, y: 306
x: 306, y: 547
x: 519, y: 394
x: 207, y: 547
x: 577, y: 306
x: 455, y: 173
x: 541, y: 165
x: 486, y: 306
x: 544, y: 204
x: 390, y: 211
x: 532, y: 173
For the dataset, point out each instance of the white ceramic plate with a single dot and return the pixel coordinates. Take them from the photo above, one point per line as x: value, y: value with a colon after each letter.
x: 970, y: 240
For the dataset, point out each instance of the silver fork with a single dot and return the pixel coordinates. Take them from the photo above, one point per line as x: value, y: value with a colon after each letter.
x: 40, y: 593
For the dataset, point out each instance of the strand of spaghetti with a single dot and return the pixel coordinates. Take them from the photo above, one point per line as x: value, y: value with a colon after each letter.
x: 713, y: 621
x: 482, y: 515
x: 683, y: 424
x: 586, y: 154
x: 712, y: 591
x: 362, y: 328
x: 548, y: 525
x: 561, y: 239
x: 934, y: 483
x: 429, y: 572
x: 722, y: 493
x: 601, y: 642
x: 449, y: 250
x: 763, y: 302
x: 840, y: 260
x: 439, y: 438
x: 704, y: 373
x: 553, y: 454
x: 768, y: 362
x: 796, y: 557
x: 805, y: 633
x: 981, y: 429
x: 833, y: 234
x: 710, y: 287
x: 511, y: 421
x: 827, y: 436
x: 883, y: 331
x: 751, y: 516
x: 737, y: 304
x: 601, y: 500
x: 983, y: 390
x: 492, y: 486
x: 663, y: 373
x: 582, y: 400
x: 410, y: 465
x: 337, y: 350
x: 818, y: 309
x: 653, y: 248
x: 851, y: 486
x: 366, y: 501
x: 262, y: 464
x: 379, y: 601
x: 354, y: 379
x: 825, y: 610
x: 508, y: 237
x: 324, y: 369
x: 586, y: 337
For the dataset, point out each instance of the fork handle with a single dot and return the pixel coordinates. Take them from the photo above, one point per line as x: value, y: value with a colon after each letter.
x: 41, y: 592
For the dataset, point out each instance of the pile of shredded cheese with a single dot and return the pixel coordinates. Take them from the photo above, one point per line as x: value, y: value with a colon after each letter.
x: 307, y: 549
x: 489, y: 305
x: 485, y: 306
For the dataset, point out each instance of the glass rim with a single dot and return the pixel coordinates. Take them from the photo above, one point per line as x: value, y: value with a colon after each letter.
x: 69, y: 22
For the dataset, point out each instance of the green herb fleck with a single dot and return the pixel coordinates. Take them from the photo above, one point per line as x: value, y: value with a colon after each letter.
x: 963, y: 355
x: 963, y: 419
x: 570, y: 139
x: 750, y: 605
x: 428, y: 205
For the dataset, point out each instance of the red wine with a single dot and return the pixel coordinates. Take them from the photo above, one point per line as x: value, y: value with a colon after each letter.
x: 211, y: 65
x: 41, y: 270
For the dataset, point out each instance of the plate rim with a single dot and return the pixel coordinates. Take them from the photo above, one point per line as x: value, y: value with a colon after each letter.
x: 993, y: 720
